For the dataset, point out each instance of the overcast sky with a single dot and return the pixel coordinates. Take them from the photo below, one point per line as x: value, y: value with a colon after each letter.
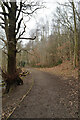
x: 43, y: 14
x: 46, y: 12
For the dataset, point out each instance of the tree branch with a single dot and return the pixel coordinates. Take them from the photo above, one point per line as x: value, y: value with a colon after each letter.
x: 5, y: 53
x: 19, y: 11
x: 19, y: 25
x: 5, y: 18
x: 25, y: 51
x: 77, y: 14
x: 6, y: 4
x: 3, y: 13
x: 18, y: 51
x: 66, y: 5
x: 29, y: 13
x: 2, y: 18
x: 3, y: 47
x: 2, y: 26
x: 4, y: 41
x: 21, y: 33
x: 28, y: 38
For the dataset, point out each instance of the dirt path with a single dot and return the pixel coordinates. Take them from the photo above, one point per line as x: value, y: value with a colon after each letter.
x: 48, y: 98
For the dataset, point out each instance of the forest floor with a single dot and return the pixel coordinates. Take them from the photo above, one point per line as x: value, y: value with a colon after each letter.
x: 11, y: 100
x: 54, y: 94
x: 65, y: 70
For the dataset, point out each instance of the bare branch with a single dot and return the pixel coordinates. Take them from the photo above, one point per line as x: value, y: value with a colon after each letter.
x: 3, y: 13
x: 28, y: 38
x: 1, y: 18
x: 2, y: 23
x: 19, y: 25
x: 5, y: 18
x: 66, y: 5
x: 5, y: 53
x: 6, y: 4
x: 22, y: 32
x: 25, y: 51
x: 2, y: 26
x: 3, y: 47
x: 77, y: 14
x: 4, y: 41
x: 19, y: 11
x: 69, y: 27
x: 18, y: 51
x: 29, y: 13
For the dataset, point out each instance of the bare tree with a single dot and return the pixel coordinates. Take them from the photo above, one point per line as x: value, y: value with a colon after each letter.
x: 69, y: 19
x: 11, y: 20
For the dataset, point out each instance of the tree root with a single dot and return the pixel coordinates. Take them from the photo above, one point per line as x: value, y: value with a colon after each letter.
x: 11, y: 80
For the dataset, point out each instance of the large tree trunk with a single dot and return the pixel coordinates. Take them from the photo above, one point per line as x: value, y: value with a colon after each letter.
x: 11, y: 45
x: 13, y: 78
x: 12, y: 40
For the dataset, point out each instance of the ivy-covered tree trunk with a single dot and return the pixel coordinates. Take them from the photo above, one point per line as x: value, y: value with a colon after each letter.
x: 13, y: 77
x: 12, y: 40
x: 11, y: 46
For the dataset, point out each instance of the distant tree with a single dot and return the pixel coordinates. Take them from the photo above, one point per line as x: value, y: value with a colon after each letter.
x: 69, y: 18
x: 79, y: 57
